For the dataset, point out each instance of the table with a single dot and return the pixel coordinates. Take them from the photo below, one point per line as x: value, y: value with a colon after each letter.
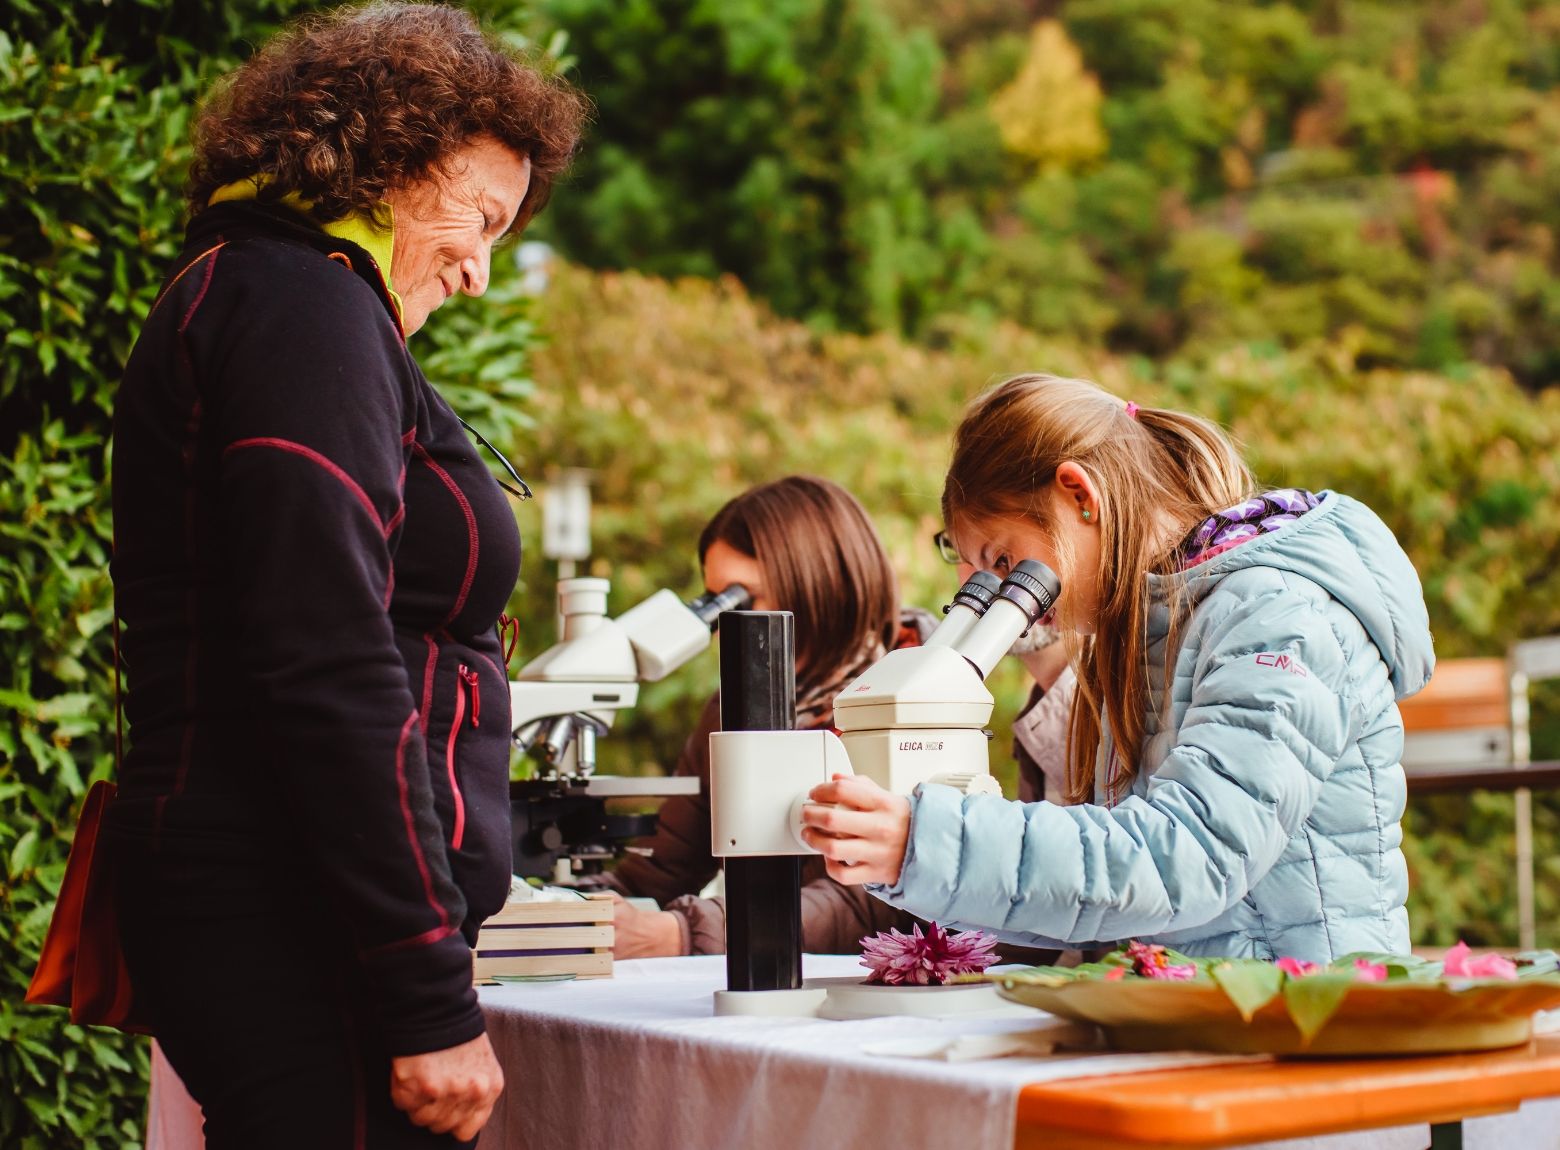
x: 1460, y: 780
x: 639, y: 1061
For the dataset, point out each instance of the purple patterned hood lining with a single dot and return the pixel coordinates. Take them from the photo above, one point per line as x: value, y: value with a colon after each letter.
x: 1260, y: 515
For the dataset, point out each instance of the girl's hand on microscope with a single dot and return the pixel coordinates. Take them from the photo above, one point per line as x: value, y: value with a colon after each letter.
x: 860, y: 829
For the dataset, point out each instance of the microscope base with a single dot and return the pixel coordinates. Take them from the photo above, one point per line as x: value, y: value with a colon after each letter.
x: 800, y: 1003
x: 849, y: 998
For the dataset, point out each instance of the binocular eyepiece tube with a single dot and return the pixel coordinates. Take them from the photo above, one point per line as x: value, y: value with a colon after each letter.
x: 1024, y: 598
x: 969, y: 604
x: 708, y: 607
x: 983, y: 634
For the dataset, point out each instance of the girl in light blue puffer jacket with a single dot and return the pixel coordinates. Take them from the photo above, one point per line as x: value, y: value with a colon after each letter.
x: 1235, y: 748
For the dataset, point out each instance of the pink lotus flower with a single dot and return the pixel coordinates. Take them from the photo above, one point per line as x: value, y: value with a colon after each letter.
x: 1460, y: 963
x: 1367, y: 971
x: 914, y: 959
x: 1151, y: 961
x: 1297, y: 967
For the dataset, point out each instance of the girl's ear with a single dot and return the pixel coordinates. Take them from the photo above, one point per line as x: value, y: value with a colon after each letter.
x: 1077, y: 487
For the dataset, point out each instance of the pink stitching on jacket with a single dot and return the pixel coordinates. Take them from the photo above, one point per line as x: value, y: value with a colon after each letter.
x: 429, y: 671
x: 211, y: 270
x: 471, y: 529
x: 411, y: 822
x: 331, y: 467
x: 426, y: 938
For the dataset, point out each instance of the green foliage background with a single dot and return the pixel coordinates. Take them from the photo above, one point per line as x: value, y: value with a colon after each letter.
x: 1283, y: 171
x: 1331, y: 225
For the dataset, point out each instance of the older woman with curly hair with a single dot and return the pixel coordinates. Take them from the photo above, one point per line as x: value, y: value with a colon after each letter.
x: 313, y: 818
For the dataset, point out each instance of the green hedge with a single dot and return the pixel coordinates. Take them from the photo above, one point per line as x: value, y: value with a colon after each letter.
x: 95, y: 107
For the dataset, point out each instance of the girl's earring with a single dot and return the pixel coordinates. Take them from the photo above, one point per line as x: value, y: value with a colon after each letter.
x: 1086, y: 515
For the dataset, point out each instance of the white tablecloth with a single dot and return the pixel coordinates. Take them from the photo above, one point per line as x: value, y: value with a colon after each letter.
x: 640, y: 1062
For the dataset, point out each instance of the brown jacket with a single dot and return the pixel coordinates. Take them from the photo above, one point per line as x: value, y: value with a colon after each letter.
x: 834, y: 917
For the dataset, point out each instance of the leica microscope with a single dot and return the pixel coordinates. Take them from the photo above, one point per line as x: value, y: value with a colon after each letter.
x: 916, y: 716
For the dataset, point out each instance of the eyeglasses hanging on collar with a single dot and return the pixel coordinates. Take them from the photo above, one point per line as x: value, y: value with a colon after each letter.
x: 523, y: 489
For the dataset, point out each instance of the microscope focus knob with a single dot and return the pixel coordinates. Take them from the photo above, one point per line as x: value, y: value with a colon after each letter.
x: 968, y: 782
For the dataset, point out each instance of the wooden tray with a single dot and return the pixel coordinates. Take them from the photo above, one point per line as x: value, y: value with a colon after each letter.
x: 541, y: 939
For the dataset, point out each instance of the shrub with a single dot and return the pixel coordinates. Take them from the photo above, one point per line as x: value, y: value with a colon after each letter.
x: 95, y: 102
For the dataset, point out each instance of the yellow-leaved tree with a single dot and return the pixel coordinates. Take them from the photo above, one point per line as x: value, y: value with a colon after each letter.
x: 1050, y: 112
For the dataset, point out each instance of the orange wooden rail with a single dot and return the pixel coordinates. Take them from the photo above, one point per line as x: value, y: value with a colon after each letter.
x: 1218, y: 1106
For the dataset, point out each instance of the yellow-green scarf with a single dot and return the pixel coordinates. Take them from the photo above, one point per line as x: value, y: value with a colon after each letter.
x: 359, y: 228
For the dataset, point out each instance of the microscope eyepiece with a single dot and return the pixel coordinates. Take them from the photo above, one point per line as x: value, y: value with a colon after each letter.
x: 978, y: 593
x: 1022, y: 601
x: 709, y: 606
x: 1033, y: 588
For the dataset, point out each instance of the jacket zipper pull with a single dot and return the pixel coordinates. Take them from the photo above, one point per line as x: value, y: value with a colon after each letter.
x: 469, y: 677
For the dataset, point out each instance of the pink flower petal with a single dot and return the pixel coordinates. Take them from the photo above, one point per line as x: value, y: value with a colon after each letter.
x: 1460, y: 963
x: 1365, y: 971
x: 1296, y: 967
x: 1492, y: 966
x: 926, y: 959
x: 1455, y: 962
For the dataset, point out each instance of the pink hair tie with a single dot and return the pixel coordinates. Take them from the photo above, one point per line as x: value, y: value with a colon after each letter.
x: 1132, y: 410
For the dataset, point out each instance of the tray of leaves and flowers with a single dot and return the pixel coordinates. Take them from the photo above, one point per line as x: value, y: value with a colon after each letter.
x: 1147, y: 997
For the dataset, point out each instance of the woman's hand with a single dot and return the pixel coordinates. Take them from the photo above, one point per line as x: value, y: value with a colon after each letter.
x: 860, y: 829
x: 643, y: 933
x: 448, y: 1091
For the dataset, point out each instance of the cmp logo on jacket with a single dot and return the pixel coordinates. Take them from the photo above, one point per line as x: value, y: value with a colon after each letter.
x: 1282, y: 662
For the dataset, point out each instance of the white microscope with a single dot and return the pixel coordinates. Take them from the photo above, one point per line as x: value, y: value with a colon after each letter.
x: 568, y: 696
x: 916, y: 716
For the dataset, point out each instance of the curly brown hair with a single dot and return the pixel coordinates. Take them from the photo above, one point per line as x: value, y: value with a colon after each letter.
x: 345, y: 105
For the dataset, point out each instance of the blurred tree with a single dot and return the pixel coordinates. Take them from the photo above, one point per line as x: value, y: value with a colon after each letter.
x: 1050, y: 113
x: 778, y: 140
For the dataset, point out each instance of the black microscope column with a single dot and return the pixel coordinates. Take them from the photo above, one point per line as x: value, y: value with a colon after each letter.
x: 763, y: 895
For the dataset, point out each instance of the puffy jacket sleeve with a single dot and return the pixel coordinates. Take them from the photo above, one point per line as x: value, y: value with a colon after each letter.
x: 1268, y: 717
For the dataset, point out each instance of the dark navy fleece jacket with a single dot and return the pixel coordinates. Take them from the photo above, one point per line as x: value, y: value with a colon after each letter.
x: 310, y: 560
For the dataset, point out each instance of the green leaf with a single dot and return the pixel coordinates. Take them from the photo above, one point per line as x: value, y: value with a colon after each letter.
x: 1250, y: 985
x: 1398, y: 965
x: 1313, y: 999
x: 89, y: 623
x: 1537, y: 963
x: 23, y: 853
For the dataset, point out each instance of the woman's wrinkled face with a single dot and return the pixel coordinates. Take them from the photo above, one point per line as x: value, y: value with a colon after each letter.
x: 446, y: 226
x: 725, y: 565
